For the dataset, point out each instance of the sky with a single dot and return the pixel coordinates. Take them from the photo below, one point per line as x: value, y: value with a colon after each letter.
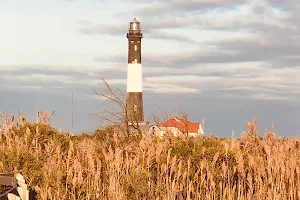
x: 222, y: 61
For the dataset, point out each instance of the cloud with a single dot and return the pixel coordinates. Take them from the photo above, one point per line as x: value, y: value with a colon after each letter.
x: 120, y: 29
x: 285, y: 5
x: 238, y: 65
x: 58, y: 80
x: 178, y: 7
x: 169, y: 36
x: 243, y: 52
x: 167, y: 88
x: 257, y: 36
x: 110, y: 29
x: 227, y: 81
x: 262, y: 65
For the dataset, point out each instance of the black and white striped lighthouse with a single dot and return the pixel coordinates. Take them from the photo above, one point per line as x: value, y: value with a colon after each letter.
x: 135, y: 110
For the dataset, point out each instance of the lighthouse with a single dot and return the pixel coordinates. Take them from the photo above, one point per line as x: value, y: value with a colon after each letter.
x: 134, y: 100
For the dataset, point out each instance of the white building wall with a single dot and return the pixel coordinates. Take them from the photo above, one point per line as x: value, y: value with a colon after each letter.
x: 161, y: 131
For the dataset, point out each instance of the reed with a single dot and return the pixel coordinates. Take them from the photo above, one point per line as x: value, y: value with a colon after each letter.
x: 107, y: 166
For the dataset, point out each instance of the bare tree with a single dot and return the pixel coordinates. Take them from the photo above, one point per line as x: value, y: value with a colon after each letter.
x: 117, y: 115
x: 121, y: 120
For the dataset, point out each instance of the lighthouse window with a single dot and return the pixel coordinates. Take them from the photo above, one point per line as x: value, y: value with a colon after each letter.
x: 135, y: 47
x: 135, y: 108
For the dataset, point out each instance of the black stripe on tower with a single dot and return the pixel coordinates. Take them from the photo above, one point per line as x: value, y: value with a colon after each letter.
x: 134, y: 36
x: 135, y: 113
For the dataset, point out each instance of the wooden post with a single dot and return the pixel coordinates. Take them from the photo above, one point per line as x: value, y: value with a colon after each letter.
x: 20, y: 189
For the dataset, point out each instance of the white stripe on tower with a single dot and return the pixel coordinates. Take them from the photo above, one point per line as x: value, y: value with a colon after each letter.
x: 134, y: 78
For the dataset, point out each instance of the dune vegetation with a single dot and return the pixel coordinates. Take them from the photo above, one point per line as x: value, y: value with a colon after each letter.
x: 103, y: 165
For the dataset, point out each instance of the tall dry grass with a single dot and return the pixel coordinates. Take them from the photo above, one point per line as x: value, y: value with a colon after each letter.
x: 107, y: 166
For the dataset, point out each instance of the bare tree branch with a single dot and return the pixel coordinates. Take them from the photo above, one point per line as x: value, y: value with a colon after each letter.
x: 117, y: 117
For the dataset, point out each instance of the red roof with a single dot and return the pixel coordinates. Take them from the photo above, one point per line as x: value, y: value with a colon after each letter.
x: 181, y: 124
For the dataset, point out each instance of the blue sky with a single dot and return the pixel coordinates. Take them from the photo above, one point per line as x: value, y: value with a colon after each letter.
x: 222, y: 61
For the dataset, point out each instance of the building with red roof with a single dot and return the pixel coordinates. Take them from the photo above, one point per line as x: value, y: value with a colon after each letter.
x: 177, y: 127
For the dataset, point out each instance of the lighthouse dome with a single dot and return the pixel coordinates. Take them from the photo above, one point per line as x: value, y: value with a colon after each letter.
x: 134, y: 25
